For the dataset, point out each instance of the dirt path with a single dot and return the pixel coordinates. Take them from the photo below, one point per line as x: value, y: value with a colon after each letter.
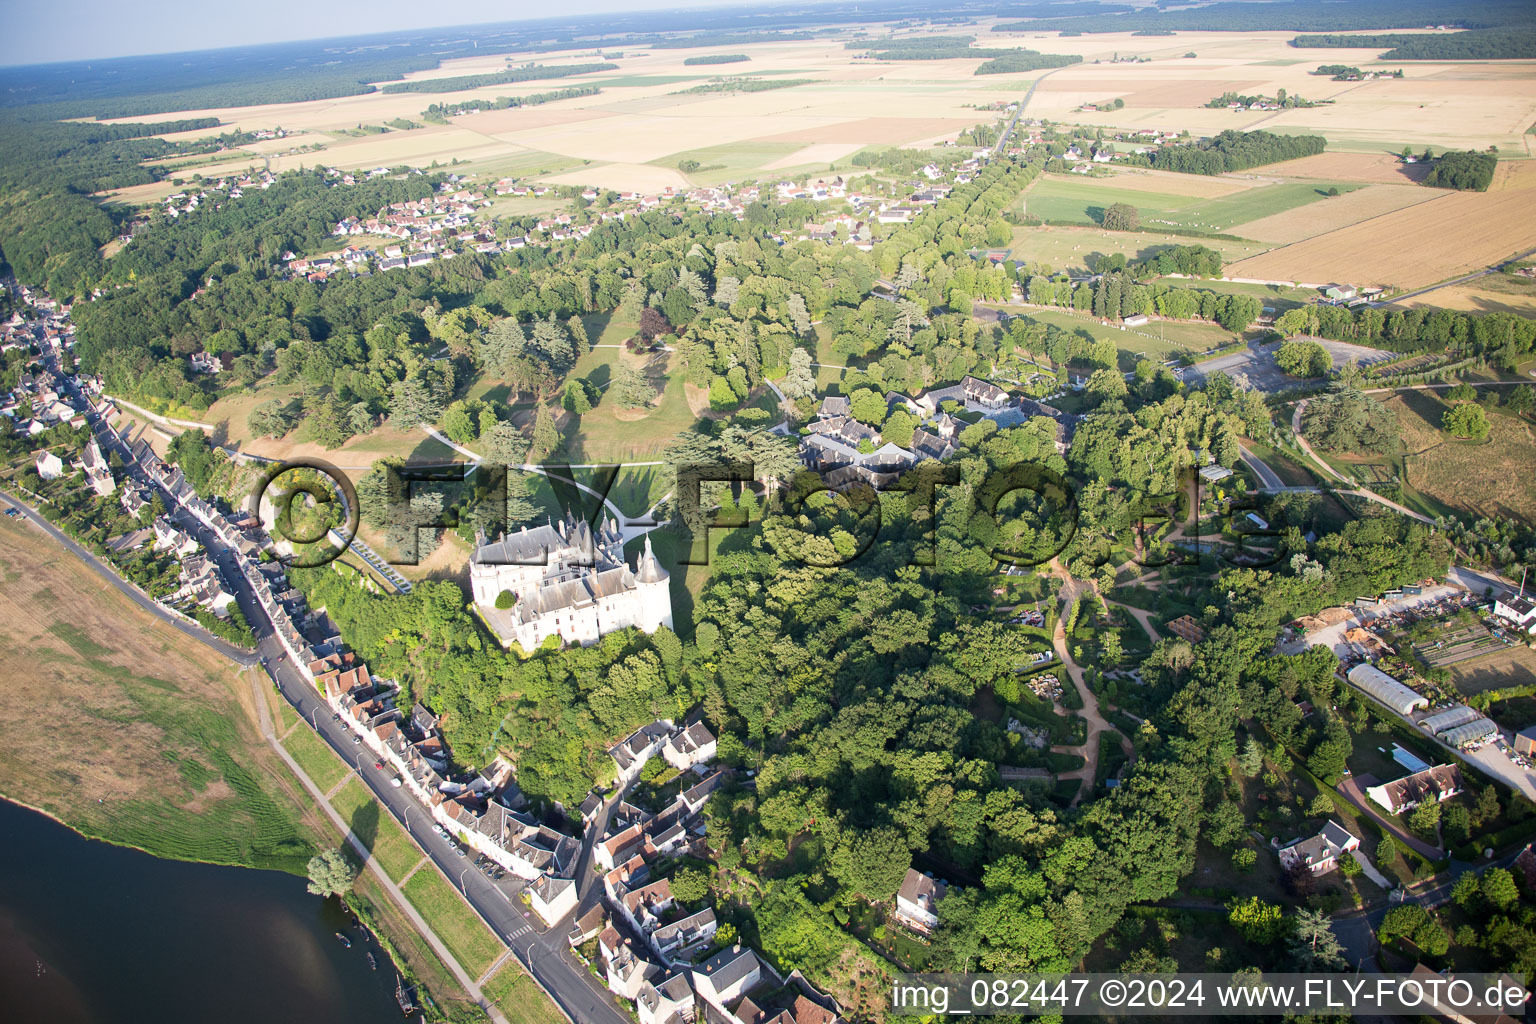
x: 1329, y: 470
x: 1071, y: 592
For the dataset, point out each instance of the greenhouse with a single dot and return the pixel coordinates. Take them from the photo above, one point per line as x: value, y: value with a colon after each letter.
x: 1385, y: 689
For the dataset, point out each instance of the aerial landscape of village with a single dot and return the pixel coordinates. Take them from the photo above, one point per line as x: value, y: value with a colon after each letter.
x: 767, y: 515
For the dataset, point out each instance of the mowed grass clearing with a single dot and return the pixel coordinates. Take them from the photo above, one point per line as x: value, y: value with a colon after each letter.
x: 460, y: 928
x: 317, y: 760
x: 129, y: 731
x: 1057, y: 198
x: 519, y: 997
x: 395, y: 850
x: 1158, y: 341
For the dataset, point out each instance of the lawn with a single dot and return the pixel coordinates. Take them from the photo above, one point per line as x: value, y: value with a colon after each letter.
x: 1158, y: 340
x: 397, y: 852
x: 519, y: 997
x: 460, y: 928
x: 129, y: 731
x: 1083, y: 200
x: 319, y: 762
x: 612, y: 434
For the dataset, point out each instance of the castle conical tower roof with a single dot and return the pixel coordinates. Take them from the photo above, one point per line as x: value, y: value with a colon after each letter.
x: 650, y: 570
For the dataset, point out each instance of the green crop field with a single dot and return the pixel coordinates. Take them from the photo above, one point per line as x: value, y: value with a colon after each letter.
x: 319, y: 762
x: 396, y: 851
x: 1083, y: 201
x: 460, y: 928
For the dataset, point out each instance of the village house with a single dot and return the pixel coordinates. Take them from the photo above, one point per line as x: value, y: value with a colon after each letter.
x: 1432, y: 785
x: 917, y: 901
x: 694, y: 745
x: 1321, y: 853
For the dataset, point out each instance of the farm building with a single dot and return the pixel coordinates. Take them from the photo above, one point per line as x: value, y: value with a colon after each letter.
x: 1435, y: 784
x: 1385, y: 689
x: 1136, y: 320
x: 1525, y: 740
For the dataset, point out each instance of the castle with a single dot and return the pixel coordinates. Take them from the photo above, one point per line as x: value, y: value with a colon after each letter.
x: 567, y: 581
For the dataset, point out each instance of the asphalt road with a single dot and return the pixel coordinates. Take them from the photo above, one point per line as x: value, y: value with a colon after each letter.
x: 546, y: 956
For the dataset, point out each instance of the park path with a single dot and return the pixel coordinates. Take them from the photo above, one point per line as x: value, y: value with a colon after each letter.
x: 1330, y: 472
x: 1071, y: 592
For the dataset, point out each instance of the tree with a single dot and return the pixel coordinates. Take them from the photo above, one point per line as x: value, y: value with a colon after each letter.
x: 1466, y: 420
x: 1386, y: 850
x: 1258, y: 922
x: 412, y: 402
x: 1121, y: 217
x: 504, y: 445
x: 272, y: 419
x: 1301, y: 358
x: 631, y: 389
x: 871, y: 862
x: 1499, y: 888
x: 578, y: 396
x: 1350, y: 421
x: 799, y: 317
x: 1251, y: 762
x: 800, y: 381
x: 1522, y: 399
x: 1314, y: 946
x: 1106, y: 384
x: 546, y: 436
x: 330, y: 873
x: 578, y: 332
x: 505, y: 600
x: 690, y: 885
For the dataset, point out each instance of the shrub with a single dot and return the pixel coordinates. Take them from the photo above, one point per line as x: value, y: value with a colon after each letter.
x: 506, y: 599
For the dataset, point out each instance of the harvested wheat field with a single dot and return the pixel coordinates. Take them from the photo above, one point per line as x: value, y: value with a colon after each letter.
x: 1201, y: 186
x: 1384, y: 168
x: 871, y: 131
x: 1493, y: 293
x: 623, y: 177
x: 1333, y: 213
x: 1456, y: 233
x: 816, y: 153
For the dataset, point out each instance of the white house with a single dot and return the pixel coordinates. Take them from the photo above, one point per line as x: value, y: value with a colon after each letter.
x: 628, y: 972
x: 1435, y: 784
x: 1321, y: 853
x: 727, y: 976
x: 659, y: 1003
x: 694, y: 745
x: 917, y: 901
x: 1519, y: 610
x: 49, y: 465
x: 552, y: 897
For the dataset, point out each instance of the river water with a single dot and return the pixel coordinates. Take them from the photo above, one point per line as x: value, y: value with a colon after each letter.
x: 92, y: 933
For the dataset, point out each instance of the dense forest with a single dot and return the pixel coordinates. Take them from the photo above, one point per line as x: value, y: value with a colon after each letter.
x: 1484, y: 44
x: 1290, y: 15
x: 439, y: 112
x: 1235, y: 151
x: 716, y: 58
x: 1025, y: 60
x: 526, y: 73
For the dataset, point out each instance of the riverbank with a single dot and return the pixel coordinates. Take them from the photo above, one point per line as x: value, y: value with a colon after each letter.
x: 124, y: 731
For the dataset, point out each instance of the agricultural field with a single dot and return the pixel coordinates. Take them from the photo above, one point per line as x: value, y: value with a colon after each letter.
x: 1451, y: 234
x: 1354, y: 204
x: 1512, y: 666
x: 127, y: 730
x: 1070, y: 248
x: 1058, y: 197
x: 1492, y: 293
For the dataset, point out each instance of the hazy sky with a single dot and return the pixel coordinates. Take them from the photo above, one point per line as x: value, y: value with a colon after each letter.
x: 42, y: 31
